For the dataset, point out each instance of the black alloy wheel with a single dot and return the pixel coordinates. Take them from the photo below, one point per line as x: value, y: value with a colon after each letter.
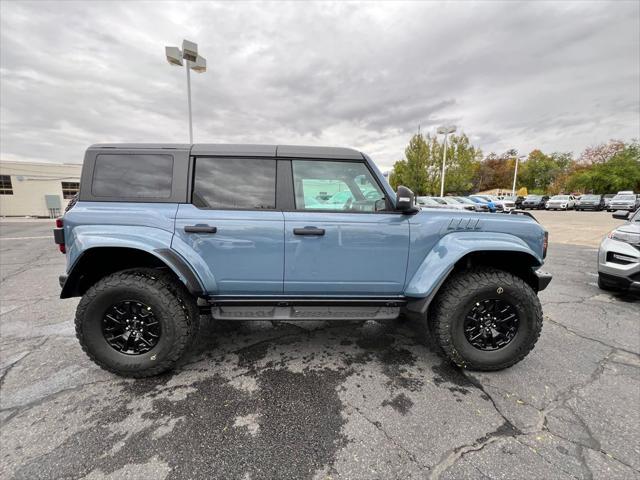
x: 130, y: 327
x: 491, y: 324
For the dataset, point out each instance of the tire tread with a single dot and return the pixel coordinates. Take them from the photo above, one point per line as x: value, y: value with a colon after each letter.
x: 174, y: 299
x: 457, y: 287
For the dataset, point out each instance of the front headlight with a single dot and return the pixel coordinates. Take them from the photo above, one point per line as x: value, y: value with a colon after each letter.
x: 626, y: 237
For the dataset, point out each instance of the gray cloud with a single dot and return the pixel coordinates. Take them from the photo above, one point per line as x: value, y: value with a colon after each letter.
x: 555, y: 76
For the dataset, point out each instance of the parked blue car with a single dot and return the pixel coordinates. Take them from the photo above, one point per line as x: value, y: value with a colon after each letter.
x: 484, y: 201
x: 162, y: 233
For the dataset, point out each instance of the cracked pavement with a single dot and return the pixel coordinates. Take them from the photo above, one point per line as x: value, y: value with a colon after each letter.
x: 318, y: 400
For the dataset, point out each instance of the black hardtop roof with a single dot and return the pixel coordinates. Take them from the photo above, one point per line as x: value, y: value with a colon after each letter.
x: 241, y: 150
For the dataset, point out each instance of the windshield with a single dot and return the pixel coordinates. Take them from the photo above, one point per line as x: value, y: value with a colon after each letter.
x: 636, y: 217
x: 484, y: 198
x: 534, y: 197
x: 590, y: 197
x: 625, y: 197
x: 560, y: 197
x: 465, y: 200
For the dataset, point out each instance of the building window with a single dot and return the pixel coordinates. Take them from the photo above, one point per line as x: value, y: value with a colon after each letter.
x: 5, y: 185
x: 70, y: 189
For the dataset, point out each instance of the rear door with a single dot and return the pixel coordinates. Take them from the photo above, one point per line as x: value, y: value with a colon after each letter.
x: 231, y: 230
x: 340, y: 239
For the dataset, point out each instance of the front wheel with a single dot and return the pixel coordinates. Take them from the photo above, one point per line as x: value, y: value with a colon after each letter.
x: 486, y: 319
x: 137, y: 323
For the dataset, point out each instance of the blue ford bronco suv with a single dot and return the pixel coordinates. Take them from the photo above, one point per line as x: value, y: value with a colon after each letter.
x: 163, y: 233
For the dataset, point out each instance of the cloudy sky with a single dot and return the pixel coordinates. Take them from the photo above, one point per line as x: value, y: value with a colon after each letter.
x: 552, y: 75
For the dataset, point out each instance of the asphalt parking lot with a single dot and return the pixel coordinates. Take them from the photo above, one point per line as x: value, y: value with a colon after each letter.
x: 323, y: 400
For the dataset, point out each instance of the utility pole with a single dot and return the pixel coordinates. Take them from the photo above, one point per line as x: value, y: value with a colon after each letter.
x: 192, y: 61
x: 446, y: 131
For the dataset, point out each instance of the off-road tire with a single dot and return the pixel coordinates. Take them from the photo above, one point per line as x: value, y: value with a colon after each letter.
x: 172, y: 304
x: 456, y: 298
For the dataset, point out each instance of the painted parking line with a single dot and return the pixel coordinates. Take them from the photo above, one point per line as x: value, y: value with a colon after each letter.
x: 25, y: 238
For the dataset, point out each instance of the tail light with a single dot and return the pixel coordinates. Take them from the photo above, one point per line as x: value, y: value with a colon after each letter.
x: 58, y: 235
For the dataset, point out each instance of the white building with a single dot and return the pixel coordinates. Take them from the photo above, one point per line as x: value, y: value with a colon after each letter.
x: 37, y: 189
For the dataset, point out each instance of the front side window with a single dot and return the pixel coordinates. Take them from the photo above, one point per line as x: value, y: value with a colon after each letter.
x: 69, y: 189
x: 6, y: 188
x: 335, y: 185
x: 235, y: 183
x: 132, y: 176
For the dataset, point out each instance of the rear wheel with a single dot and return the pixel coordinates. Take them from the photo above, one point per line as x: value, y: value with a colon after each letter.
x: 486, y: 319
x: 137, y: 323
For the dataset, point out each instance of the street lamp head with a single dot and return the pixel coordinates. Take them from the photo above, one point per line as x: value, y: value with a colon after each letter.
x: 200, y: 65
x: 189, y: 50
x: 174, y: 55
x: 446, y: 130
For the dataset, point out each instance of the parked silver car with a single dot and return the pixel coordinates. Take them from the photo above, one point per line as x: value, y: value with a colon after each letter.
x: 453, y: 203
x: 624, y: 201
x: 429, y: 202
x: 619, y: 255
x: 479, y: 207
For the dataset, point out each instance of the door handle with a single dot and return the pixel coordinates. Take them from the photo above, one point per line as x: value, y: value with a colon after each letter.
x: 308, y: 231
x: 200, y: 229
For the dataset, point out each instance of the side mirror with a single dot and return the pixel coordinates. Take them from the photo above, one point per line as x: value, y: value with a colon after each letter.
x: 405, y: 200
x: 621, y: 215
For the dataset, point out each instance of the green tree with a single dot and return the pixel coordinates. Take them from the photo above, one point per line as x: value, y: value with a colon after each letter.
x: 463, y: 162
x: 620, y: 172
x: 542, y: 173
x: 413, y: 171
x: 421, y: 169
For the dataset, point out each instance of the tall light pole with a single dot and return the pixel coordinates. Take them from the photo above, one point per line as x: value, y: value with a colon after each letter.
x: 192, y: 61
x: 515, y: 175
x: 446, y: 131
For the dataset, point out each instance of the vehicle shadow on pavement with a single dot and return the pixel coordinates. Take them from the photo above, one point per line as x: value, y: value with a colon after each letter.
x: 253, y: 393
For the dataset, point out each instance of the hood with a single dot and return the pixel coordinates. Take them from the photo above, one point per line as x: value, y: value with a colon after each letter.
x: 630, y: 228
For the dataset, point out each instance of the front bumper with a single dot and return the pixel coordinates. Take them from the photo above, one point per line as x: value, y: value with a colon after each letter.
x: 542, y: 279
x: 629, y: 207
x: 619, y: 264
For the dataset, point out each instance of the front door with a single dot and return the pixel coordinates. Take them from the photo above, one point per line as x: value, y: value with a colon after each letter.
x: 232, y: 231
x: 341, y: 239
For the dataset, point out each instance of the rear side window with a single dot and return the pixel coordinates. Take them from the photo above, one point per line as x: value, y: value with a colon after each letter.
x: 235, y: 183
x: 135, y: 175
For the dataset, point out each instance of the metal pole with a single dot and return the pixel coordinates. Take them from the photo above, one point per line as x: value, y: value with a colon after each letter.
x: 187, y: 64
x: 515, y: 176
x: 444, y: 161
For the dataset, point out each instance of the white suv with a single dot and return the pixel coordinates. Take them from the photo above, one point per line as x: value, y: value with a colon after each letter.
x: 619, y: 256
x: 561, y: 202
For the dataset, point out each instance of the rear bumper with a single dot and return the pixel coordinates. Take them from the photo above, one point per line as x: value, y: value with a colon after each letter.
x: 542, y: 279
